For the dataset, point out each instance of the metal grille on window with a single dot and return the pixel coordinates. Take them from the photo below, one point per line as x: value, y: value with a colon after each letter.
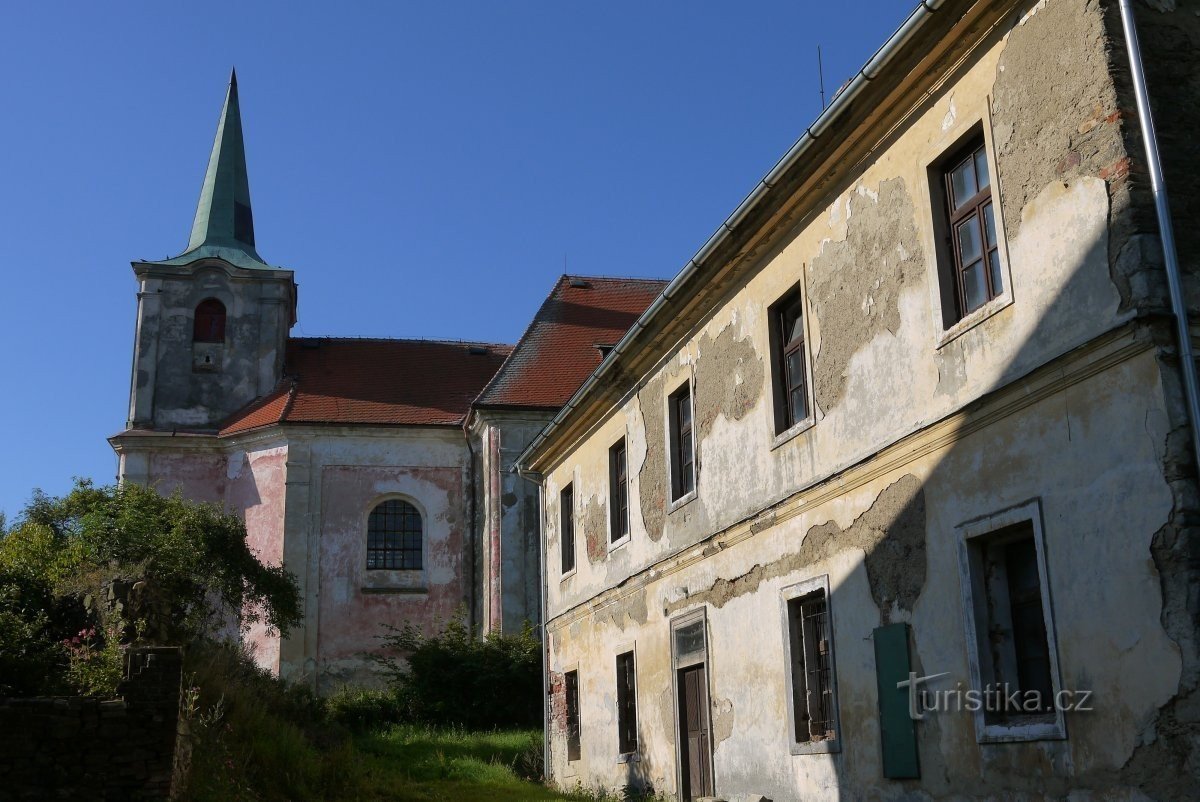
x: 571, y: 691
x: 812, y: 674
x: 394, y: 537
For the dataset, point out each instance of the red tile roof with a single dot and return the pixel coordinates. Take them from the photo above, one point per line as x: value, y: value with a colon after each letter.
x: 558, y: 351
x: 381, y: 382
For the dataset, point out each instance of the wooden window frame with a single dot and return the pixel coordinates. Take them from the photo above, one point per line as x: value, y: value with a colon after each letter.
x: 566, y: 528
x: 802, y: 649
x: 786, y: 386
x: 618, y: 495
x: 972, y: 208
x: 1016, y: 523
x: 209, y: 322
x: 627, y: 734
x: 571, y: 703
x: 681, y: 418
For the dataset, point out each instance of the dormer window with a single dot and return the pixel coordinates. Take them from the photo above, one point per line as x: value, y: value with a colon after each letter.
x: 209, y: 324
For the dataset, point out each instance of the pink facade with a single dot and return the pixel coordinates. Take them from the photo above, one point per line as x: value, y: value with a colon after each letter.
x: 356, y: 604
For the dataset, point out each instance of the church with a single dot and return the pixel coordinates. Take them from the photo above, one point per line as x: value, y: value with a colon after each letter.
x: 378, y: 471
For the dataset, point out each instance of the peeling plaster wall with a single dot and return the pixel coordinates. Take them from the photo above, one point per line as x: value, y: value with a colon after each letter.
x: 509, y: 520
x: 166, y: 391
x: 889, y: 546
x: 257, y: 490
x: 881, y: 364
x: 350, y: 476
x: 1105, y: 453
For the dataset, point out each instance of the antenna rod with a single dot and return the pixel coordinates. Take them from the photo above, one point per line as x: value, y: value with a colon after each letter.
x: 821, y: 77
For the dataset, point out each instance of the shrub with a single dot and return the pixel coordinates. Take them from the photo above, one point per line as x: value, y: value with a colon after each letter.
x: 100, y: 566
x: 362, y: 709
x: 454, y: 679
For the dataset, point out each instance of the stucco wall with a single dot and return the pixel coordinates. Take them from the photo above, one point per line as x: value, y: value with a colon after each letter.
x: 874, y: 323
x: 898, y: 395
x: 1099, y: 519
x: 349, y: 476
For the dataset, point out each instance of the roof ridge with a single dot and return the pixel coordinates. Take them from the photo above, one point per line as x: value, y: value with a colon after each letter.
x: 433, y: 340
x: 615, y: 278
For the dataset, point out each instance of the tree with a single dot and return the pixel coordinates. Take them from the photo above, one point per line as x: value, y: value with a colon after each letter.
x: 167, y: 569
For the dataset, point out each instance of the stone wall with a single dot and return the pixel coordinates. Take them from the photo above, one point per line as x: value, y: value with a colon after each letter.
x: 75, y: 748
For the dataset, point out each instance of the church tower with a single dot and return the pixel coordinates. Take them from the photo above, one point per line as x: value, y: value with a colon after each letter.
x: 212, y: 323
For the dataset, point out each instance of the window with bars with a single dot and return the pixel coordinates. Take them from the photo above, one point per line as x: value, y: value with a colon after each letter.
x: 973, y: 239
x: 208, y: 324
x: 394, y: 537
x: 571, y: 692
x: 1016, y: 624
x: 814, y: 705
x: 683, y: 468
x: 627, y: 734
x: 787, y: 349
x: 566, y: 513
x: 618, y: 496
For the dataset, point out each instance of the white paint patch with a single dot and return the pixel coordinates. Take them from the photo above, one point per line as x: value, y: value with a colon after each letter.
x: 951, y: 116
x: 866, y: 192
x: 1028, y: 15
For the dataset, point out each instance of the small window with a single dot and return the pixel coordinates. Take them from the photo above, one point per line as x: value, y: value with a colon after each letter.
x: 975, y: 274
x: 627, y: 734
x: 209, y: 323
x: 787, y: 349
x: 618, y: 471
x: 1009, y: 620
x: 566, y: 509
x: 683, y: 473
x: 394, y: 537
x: 571, y: 691
x: 814, y: 706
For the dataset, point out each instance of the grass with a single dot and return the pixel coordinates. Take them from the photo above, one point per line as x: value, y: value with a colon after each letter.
x: 253, y: 739
x: 409, y: 762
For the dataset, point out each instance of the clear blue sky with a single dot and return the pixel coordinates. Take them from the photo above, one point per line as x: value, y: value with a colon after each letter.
x: 423, y: 167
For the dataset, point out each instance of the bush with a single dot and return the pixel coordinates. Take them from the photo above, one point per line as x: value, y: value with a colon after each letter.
x: 362, y: 710
x: 454, y: 679
x: 82, y: 574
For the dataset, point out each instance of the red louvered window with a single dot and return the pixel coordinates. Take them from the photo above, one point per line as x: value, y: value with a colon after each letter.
x: 209, y: 324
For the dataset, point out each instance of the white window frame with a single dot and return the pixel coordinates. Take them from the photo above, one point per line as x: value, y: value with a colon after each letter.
x: 674, y: 504
x: 971, y: 536
x: 787, y: 594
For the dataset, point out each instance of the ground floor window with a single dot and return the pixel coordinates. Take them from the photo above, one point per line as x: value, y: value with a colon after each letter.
x: 1010, y: 627
x: 571, y: 691
x: 813, y: 712
x: 627, y: 734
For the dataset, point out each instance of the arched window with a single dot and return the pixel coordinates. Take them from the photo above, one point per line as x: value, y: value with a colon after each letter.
x: 394, y: 536
x: 209, y: 326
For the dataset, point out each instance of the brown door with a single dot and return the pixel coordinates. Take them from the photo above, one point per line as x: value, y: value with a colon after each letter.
x: 693, y: 726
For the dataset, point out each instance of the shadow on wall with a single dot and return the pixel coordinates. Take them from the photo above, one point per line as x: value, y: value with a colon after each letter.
x: 1119, y: 531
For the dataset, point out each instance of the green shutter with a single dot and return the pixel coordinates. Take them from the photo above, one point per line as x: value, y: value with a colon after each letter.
x: 897, y: 729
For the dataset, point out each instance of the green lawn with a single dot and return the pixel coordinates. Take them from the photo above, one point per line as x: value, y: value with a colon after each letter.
x: 417, y: 763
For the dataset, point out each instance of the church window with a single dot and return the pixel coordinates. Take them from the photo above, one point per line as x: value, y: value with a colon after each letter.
x: 209, y: 325
x: 394, y: 537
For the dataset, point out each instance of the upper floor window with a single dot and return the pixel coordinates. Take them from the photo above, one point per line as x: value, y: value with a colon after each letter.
x: 683, y: 473
x: 209, y: 323
x: 566, y: 510
x: 974, y: 250
x: 618, y: 476
x: 394, y: 536
x: 787, y: 349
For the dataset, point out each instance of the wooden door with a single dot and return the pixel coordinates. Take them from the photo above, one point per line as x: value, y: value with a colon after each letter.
x: 693, y: 727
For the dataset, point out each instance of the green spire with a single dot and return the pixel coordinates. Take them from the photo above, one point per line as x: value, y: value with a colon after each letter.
x: 224, y: 224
